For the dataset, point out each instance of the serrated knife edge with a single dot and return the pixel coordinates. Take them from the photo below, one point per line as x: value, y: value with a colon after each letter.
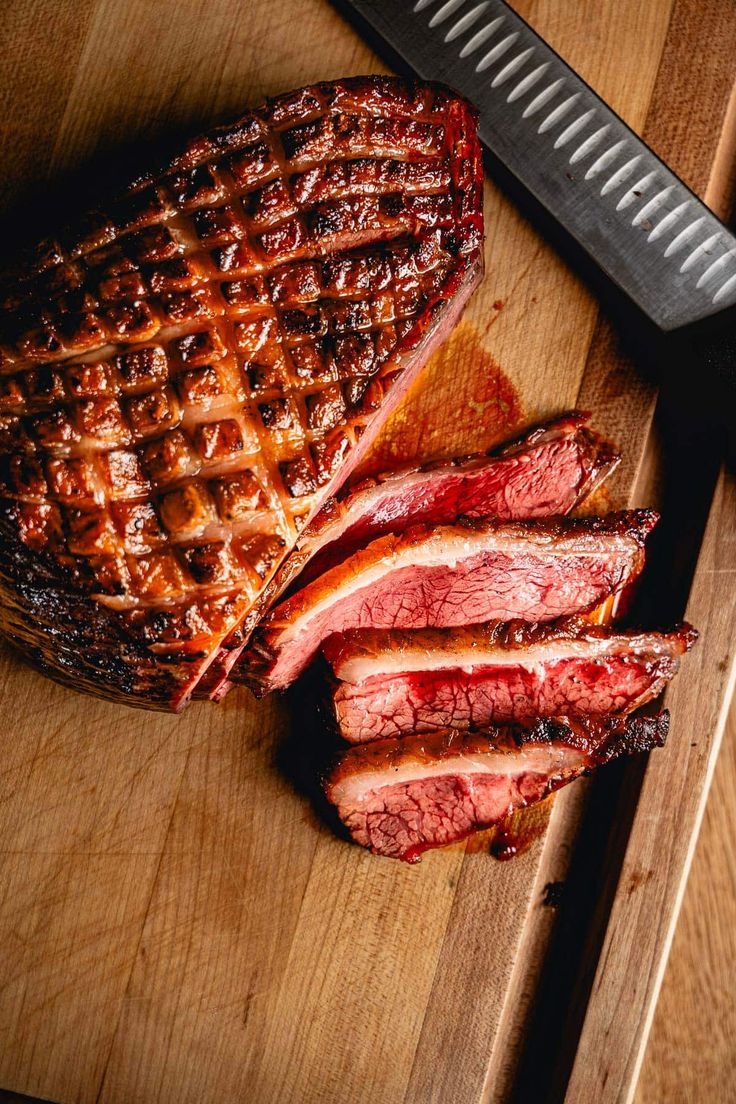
x: 645, y: 228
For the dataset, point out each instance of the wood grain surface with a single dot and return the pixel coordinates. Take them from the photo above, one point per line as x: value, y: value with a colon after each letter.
x: 689, y: 1056
x: 663, y: 834
x: 176, y: 923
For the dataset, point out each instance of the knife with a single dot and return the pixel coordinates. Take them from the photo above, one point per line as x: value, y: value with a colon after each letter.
x: 648, y: 232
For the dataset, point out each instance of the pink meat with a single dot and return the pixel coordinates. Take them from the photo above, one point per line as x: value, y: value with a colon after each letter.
x: 397, y: 684
x: 547, y: 471
x: 456, y: 575
x: 405, y: 820
x: 400, y: 798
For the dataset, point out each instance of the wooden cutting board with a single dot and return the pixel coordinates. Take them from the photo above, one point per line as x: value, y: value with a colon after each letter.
x: 176, y: 924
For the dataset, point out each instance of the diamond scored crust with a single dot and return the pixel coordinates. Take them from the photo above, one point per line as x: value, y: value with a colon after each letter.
x: 186, y: 378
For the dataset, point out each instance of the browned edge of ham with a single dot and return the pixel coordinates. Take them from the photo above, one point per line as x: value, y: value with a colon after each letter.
x: 547, y: 470
x: 403, y: 683
x: 437, y: 577
x: 400, y: 798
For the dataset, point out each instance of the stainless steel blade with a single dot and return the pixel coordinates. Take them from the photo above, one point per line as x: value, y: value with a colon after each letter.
x: 639, y: 222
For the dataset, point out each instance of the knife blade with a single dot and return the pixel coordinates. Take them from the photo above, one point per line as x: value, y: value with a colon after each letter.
x: 640, y: 223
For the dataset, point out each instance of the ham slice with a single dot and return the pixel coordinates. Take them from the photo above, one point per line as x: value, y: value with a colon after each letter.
x: 549, y: 470
x: 187, y: 375
x: 475, y: 571
x: 401, y: 683
x: 400, y: 798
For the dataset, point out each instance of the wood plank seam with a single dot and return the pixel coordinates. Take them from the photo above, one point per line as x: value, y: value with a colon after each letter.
x: 713, y: 193
x: 724, y: 503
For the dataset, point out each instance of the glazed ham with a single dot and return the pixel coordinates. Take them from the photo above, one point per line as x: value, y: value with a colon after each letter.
x: 437, y: 577
x: 549, y: 470
x: 400, y: 798
x: 189, y: 374
x: 401, y: 683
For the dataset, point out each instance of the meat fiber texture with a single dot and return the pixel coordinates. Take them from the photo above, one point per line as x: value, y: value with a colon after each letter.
x: 185, y: 377
x: 549, y: 470
x: 438, y: 577
x: 400, y: 798
x: 400, y: 683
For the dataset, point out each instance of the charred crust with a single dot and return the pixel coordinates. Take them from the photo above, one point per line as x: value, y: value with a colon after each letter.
x: 635, y: 524
x: 92, y: 651
x: 125, y: 273
x: 601, y: 740
x: 511, y: 636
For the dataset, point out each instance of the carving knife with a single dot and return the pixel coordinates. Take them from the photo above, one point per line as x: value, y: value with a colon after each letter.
x: 651, y: 235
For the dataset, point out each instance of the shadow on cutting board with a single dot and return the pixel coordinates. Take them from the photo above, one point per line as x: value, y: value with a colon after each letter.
x: 7, y: 1097
x: 689, y: 453
x: 310, y: 745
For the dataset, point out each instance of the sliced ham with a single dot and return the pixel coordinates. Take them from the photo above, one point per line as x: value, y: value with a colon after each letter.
x: 401, y: 683
x: 400, y: 798
x: 477, y: 570
x: 549, y: 470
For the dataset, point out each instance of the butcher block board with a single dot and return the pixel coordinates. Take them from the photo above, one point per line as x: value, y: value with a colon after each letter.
x: 177, y: 926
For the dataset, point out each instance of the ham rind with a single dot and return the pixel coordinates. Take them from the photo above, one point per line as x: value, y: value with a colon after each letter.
x: 403, y: 683
x: 549, y: 470
x: 400, y: 798
x: 187, y: 375
x: 471, y: 572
